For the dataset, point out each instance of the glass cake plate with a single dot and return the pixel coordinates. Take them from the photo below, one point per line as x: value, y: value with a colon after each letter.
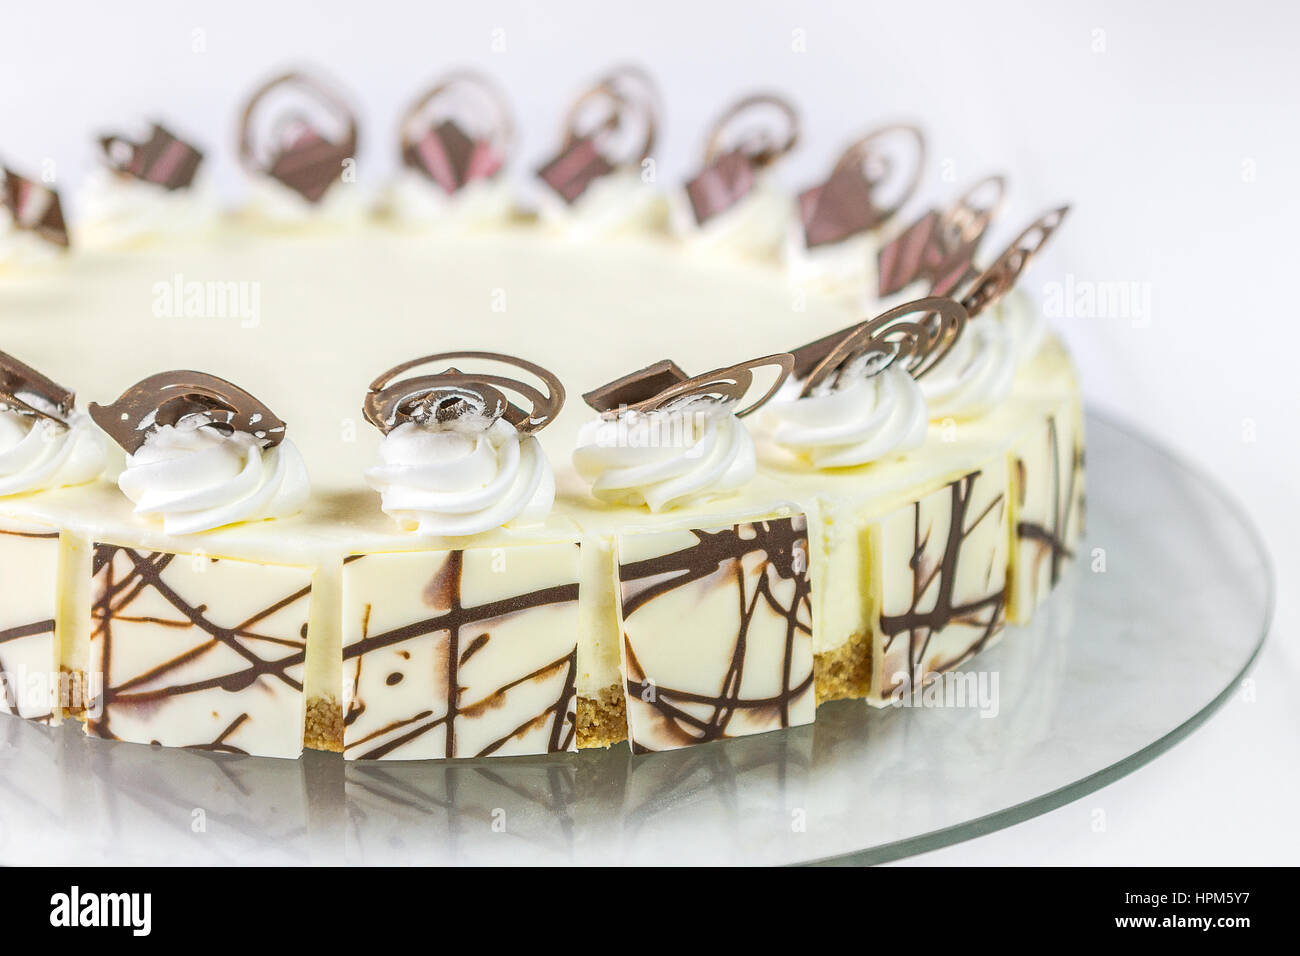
x: 1150, y: 633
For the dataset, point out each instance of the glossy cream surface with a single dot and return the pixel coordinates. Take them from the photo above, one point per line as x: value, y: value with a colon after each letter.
x: 324, y: 312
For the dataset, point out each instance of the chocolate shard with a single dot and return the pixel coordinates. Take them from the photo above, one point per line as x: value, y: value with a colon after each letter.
x: 451, y: 158
x: 35, y: 208
x: 838, y: 209
x: 302, y: 157
x: 308, y: 163
x: 924, y: 252
x: 721, y: 184
x: 578, y: 164
x: 166, y: 398
x: 637, y: 387
x: 28, y: 392
x: 164, y: 159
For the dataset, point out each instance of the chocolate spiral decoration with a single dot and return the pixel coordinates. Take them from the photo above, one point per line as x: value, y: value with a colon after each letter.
x: 20, y: 382
x: 628, y: 96
x: 998, y: 279
x: 872, y: 155
x: 451, y: 394
x: 967, y: 219
x: 499, y: 132
x: 660, y: 386
x: 889, y: 339
x: 760, y: 144
x: 167, y: 397
x: 310, y: 166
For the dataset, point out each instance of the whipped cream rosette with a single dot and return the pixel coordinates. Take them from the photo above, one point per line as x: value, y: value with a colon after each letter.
x: 601, y: 180
x: 203, y: 453
x: 454, y: 142
x: 44, y: 441
x: 732, y: 204
x: 298, y: 142
x: 147, y: 187
x: 458, y: 457
x: 32, y: 227
x: 664, y: 439
x: 855, y: 396
x: 980, y: 372
x: 831, y: 245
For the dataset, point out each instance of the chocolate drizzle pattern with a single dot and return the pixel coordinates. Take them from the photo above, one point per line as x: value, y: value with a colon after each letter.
x: 767, y: 681
x: 34, y: 208
x: 419, y: 690
x: 1049, y: 527
x: 27, y: 634
x: 947, y: 621
x: 173, y: 674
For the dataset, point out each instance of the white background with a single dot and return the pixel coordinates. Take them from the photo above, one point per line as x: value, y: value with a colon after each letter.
x: 1173, y: 128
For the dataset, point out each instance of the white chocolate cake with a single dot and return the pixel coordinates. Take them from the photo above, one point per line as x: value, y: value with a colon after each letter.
x: 453, y: 566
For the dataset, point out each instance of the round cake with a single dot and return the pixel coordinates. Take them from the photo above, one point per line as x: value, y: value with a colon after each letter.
x: 473, y: 482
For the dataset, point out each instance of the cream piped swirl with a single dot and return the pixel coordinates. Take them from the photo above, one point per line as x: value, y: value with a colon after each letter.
x: 461, y: 477
x: 668, y: 457
x: 198, y: 476
x: 977, y: 375
x: 843, y: 425
x: 37, y: 454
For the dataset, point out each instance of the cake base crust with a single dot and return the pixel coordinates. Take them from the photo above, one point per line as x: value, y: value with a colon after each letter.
x: 324, y: 725
x: 844, y: 673
x: 602, y: 721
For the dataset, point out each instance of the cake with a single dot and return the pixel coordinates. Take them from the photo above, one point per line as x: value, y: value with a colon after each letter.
x: 413, y: 473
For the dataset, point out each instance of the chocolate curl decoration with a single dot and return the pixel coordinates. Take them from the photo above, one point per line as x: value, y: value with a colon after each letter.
x: 34, y: 208
x: 20, y: 384
x: 166, y: 398
x: 450, y: 395
x: 451, y: 153
x: 847, y: 203
x: 302, y: 157
x: 890, y: 338
x: 738, y: 147
x: 620, y: 104
x: 939, y: 248
x: 660, y: 386
x: 1000, y: 278
x: 164, y: 159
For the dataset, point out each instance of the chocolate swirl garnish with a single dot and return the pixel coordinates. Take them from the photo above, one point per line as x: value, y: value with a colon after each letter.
x: 454, y: 152
x: 610, y: 125
x: 451, y: 395
x: 20, y: 384
x: 301, y: 156
x: 166, y: 398
x: 939, y: 248
x: 998, y: 279
x: 743, y: 140
x: 34, y: 208
x: 663, y: 385
x: 850, y: 201
x: 164, y: 159
x: 889, y: 339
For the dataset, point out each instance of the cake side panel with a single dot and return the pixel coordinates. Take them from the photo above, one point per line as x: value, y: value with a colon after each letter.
x: 1047, y: 481
x: 29, y: 653
x: 941, y: 563
x: 194, y: 651
x: 717, y: 632
x: 464, y: 653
